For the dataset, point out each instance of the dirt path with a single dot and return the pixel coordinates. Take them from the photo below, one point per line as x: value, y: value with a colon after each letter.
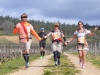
x: 89, y: 70
x: 36, y: 67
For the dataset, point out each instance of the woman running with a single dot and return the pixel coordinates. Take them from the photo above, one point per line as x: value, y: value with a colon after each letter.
x: 80, y: 34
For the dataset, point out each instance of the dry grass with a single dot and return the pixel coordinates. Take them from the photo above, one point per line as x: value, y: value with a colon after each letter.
x: 15, y: 40
x: 3, y: 40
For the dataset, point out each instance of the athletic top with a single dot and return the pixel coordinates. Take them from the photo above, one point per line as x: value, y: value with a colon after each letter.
x: 55, y: 34
x: 21, y: 32
x: 81, y: 35
x: 42, y: 34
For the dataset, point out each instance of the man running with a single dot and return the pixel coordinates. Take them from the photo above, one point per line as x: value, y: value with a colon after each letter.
x: 56, y: 38
x: 24, y: 29
x: 42, y: 43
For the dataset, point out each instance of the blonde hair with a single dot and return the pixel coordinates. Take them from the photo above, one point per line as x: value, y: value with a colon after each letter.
x: 56, y: 24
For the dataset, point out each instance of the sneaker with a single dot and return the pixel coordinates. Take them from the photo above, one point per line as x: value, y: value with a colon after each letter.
x: 56, y: 62
x: 83, y: 66
x: 26, y: 65
x: 41, y: 57
x: 80, y: 63
x: 55, y: 65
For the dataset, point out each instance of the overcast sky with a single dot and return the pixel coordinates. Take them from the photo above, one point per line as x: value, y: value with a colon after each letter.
x: 65, y: 11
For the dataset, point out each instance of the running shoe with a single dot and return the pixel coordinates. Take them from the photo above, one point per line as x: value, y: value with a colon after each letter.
x: 80, y: 63
x: 56, y: 63
x: 41, y: 57
x: 26, y: 65
x: 83, y: 66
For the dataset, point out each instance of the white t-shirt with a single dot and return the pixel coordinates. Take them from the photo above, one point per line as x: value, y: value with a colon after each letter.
x: 81, y: 35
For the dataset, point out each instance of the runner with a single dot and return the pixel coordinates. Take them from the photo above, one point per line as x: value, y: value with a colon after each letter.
x: 42, y: 43
x: 24, y: 29
x: 56, y: 38
x: 82, y: 44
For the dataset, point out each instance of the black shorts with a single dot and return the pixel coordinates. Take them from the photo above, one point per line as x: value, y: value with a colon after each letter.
x: 42, y: 44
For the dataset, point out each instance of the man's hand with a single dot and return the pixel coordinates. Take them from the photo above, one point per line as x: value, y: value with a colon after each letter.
x: 45, y: 37
x: 40, y: 39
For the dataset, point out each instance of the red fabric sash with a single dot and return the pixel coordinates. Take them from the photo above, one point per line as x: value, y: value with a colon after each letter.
x: 25, y: 30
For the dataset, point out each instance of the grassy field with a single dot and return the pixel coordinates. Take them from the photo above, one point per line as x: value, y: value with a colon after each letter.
x: 14, y: 65
x: 66, y: 67
x: 15, y: 40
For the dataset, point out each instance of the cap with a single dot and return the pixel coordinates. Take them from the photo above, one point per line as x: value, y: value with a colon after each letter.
x: 42, y: 28
x: 24, y: 14
x: 56, y: 24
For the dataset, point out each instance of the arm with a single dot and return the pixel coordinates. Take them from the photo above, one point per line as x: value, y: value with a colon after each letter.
x: 71, y: 39
x: 47, y: 35
x: 94, y: 30
x: 35, y: 34
x: 39, y: 34
x: 64, y: 39
x: 16, y: 28
x: 63, y: 36
x: 74, y: 37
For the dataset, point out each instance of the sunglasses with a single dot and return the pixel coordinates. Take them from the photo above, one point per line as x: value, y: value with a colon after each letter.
x: 24, y: 16
x: 56, y: 26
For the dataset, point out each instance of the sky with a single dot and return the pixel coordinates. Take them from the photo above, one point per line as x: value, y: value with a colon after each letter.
x: 64, y: 11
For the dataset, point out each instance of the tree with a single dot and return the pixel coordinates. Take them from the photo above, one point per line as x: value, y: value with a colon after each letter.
x: 7, y: 27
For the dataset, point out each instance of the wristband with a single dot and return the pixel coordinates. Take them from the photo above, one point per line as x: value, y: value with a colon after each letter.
x: 64, y: 39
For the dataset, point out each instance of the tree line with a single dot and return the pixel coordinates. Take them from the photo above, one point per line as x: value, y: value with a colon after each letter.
x: 7, y: 24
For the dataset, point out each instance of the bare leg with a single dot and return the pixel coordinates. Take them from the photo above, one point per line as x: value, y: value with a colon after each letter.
x: 83, y: 57
x: 80, y: 57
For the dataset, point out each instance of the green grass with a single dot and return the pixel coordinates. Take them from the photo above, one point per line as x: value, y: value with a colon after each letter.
x: 14, y: 64
x: 95, y: 60
x: 66, y: 67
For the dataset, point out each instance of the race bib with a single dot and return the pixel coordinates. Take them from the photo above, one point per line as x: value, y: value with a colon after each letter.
x: 81, y: 40
x: 55, y: 36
